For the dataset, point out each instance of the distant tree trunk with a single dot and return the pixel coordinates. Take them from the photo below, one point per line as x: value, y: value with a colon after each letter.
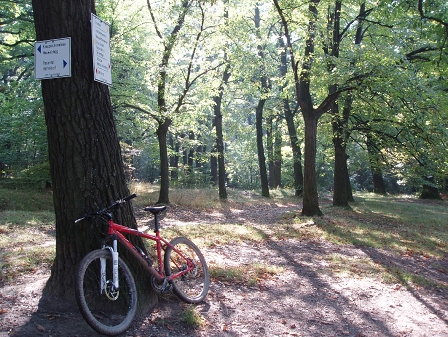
x: 174, y: 159
x: 214, y: 167
x: 217, y: 163
x: 162, y: 131
x: 85, y: 160
x: 292, y: 131
x: 375, y: 165
x: 259, y: 113
x: 430, y: 190
x: 260, y: 149
x: 342, y: 193
x: 296, y: 151
x: 274, y: 154
x: 219, y: 159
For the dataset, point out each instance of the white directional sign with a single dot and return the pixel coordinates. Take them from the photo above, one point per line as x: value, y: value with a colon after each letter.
x: 102, y: 71
x: 52, y: 58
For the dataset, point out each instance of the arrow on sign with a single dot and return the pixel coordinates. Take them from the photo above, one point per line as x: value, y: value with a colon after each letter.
x: 38, y: 49
x: 64, y: 63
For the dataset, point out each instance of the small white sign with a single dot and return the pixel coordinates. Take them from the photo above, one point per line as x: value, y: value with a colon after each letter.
x: 102, y: 71
x: 52, y: 58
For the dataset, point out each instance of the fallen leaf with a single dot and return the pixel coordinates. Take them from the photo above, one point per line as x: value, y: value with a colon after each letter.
x: 40, y: 328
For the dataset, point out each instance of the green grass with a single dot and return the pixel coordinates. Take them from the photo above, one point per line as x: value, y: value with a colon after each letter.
x: 26, y: 199
x: 191, y: 317
x: 406, y: 227
x: 26, y: 242
x: 251, y: 275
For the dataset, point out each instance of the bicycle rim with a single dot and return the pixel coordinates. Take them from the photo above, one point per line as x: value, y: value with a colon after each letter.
x: 109, y: 312
x: 193, y: 286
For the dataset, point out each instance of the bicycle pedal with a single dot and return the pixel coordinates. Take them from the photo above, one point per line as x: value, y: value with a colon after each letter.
x: 166, y: 286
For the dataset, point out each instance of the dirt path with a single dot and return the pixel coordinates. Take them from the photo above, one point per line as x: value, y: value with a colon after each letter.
x: 304, y: 300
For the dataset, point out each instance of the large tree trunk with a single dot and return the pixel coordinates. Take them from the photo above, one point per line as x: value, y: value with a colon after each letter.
x: 85, y: 161
x: 310, y: 196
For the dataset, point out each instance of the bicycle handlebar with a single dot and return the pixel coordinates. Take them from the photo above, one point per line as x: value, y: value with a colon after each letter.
x: 116, y: 204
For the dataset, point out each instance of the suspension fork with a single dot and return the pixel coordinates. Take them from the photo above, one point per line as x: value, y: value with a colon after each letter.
x: 114, y: 251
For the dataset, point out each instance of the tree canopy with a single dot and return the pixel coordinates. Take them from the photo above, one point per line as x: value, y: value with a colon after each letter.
x: 374, y: 73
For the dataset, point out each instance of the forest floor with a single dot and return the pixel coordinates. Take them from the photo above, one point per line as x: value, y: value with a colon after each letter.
x: 305, y: 299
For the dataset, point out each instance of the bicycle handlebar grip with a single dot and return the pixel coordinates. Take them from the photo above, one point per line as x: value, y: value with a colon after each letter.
x: 129, y: 197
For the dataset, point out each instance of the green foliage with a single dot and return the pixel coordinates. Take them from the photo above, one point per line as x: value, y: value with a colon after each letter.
x: 397, y: 76
x: 25, y: 199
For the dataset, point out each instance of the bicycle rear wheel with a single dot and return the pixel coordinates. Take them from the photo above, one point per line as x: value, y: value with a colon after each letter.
x: 111, y: 310
x: 191, y: 287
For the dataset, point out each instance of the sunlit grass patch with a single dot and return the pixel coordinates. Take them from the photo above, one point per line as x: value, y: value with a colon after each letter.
x: 406, y: 227
x: 25, y: 260
x: 212, y: 235
x: 392, y: 275
x: 351, y: 266
x: 250, y: 275
x: 26, y: 242
x: 191, y: 317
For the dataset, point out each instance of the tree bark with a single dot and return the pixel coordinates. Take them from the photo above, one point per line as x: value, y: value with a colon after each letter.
x: 310, y: 196
x: 85, y: 159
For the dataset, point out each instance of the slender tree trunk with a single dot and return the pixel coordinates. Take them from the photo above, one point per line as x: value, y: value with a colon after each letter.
x: 375, y: 165
x: 217, y: 163
x: 85, y: 159
x: 162, y: 131
x: 219, y: 137
x: 274, y: 154
x: 289, y: 116
x: 174, y: 159
x: 260, y: 149
x: 259, y: 112
x: 296, y: 151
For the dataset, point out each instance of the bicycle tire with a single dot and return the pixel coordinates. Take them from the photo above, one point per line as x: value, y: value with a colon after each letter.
x: 105, y: 315
x: 192, y: 287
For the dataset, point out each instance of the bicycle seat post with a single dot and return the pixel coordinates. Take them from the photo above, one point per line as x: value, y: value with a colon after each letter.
x: 156, y: 222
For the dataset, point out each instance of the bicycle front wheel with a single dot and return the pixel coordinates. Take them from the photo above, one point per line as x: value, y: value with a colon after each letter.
x: 108, y: 310
x: 191, y: 287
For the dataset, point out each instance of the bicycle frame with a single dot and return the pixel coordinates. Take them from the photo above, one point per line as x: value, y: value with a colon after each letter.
x: 116, y: 231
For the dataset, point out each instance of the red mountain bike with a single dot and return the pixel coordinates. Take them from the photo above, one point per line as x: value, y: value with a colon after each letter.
x: 105, y: 289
